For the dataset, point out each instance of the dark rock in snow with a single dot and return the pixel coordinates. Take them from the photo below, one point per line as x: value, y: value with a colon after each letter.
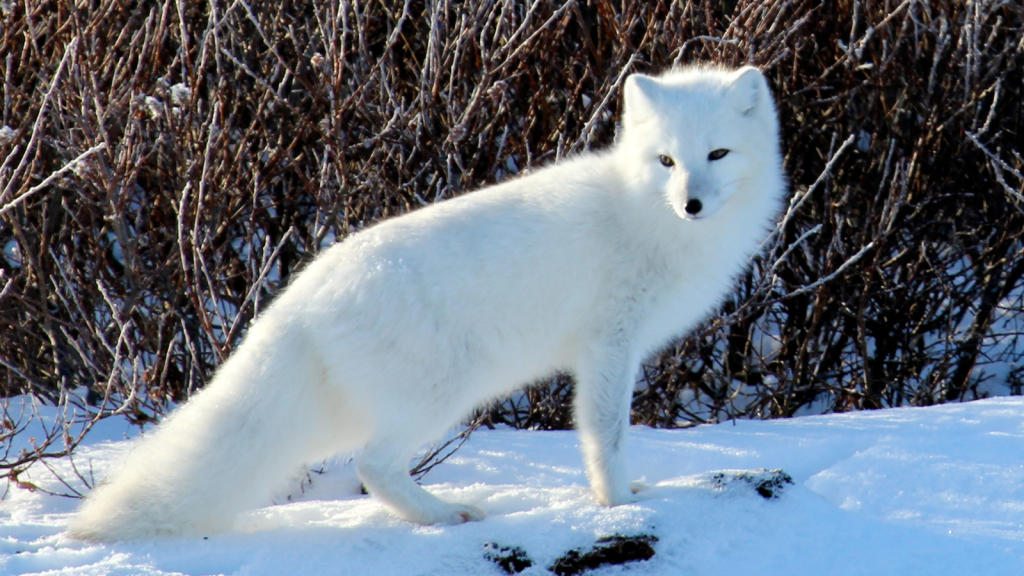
x: 615, y: 549
x: 511, y: 559
x: 769, y: 484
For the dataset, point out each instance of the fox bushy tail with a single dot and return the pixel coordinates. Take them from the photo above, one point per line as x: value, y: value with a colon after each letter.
x: 228, y: 449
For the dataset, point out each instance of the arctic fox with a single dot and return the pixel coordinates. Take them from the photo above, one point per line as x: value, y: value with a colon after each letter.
x: 391, y: 337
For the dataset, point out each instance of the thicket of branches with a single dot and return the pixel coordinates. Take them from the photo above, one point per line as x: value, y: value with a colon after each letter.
x: 165, y: 167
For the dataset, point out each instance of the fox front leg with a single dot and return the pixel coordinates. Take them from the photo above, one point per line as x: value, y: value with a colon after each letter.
x: 604, y: 392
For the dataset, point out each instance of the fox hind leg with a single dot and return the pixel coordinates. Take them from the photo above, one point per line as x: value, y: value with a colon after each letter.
x: 383, y: 468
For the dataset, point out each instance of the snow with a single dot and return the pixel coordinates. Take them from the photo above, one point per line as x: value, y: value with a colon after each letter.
x: 931, y: 491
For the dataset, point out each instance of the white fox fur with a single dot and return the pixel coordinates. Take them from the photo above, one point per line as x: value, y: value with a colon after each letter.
x: 391, y: 337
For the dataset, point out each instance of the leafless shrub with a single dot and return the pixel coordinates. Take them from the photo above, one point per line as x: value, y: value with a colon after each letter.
x: 165, y: 167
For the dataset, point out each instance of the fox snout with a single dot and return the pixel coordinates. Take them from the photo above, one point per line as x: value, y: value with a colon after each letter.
x: 694, y: 198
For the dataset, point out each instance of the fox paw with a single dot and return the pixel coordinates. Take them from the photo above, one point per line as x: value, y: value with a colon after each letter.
x: 460, y: 514
x: 636, y: 487
x: 637, y: 492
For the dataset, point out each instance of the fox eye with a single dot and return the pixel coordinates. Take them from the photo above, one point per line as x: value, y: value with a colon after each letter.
x: 666, y: 161
x: 717, y: 154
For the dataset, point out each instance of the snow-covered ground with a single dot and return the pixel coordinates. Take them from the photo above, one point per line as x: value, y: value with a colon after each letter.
x: 928, y: 491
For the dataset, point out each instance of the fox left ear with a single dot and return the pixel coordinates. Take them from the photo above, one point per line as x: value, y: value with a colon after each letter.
x: 748, y: 90
x: 638, y: 99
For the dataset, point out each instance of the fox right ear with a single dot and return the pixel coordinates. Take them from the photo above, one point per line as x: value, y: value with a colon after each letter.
x: 748, y: 90
x: 639, y: 97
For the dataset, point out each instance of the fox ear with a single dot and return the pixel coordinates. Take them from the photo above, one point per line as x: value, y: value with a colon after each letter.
x: 639, y: 97
x: 748, y: 90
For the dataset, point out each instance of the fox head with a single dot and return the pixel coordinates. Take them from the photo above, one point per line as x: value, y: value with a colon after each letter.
x: 698, y: 137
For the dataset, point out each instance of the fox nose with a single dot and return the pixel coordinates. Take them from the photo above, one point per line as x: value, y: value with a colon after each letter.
x: 693, y: 206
